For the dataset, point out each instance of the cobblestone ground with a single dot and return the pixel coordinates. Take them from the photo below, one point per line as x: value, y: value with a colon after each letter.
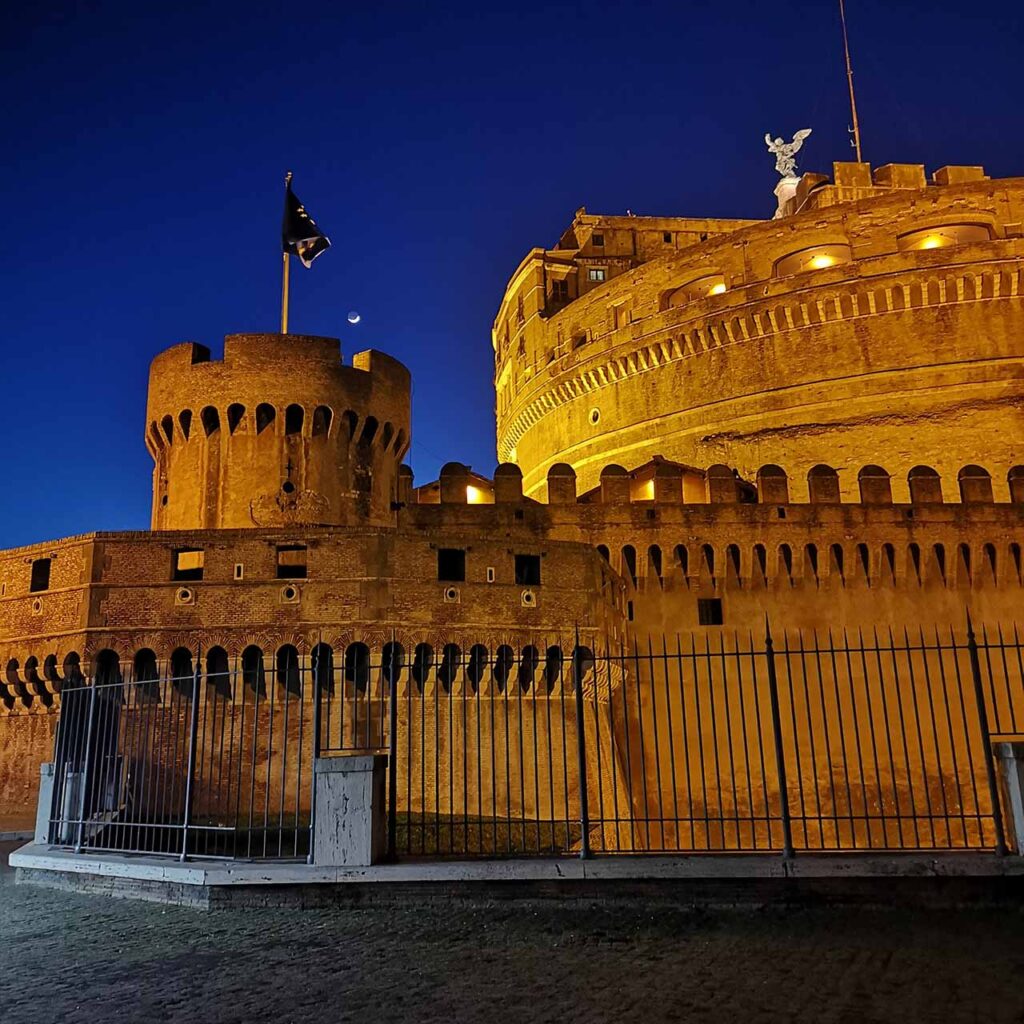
x: 69, y: 957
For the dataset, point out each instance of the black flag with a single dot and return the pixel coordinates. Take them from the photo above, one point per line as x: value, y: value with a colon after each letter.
x: 299, y: 234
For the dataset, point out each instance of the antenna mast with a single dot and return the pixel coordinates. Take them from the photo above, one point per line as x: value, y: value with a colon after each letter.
x: 849, y: 78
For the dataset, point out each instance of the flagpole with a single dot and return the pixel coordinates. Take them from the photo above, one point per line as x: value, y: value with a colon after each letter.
x: 284, y: 295
x: 285, y: 268
x: 849, y: 78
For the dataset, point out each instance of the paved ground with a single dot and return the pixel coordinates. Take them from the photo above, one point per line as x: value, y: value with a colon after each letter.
x: 69, y: 957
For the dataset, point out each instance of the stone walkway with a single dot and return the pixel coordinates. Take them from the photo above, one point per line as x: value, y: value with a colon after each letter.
x: 69, y: 957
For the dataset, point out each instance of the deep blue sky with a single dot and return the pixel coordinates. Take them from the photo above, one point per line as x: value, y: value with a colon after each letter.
x: 145, y: 145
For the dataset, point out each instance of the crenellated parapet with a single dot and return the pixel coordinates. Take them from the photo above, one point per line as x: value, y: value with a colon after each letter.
x: 280, y: 432
x: 889, y: 319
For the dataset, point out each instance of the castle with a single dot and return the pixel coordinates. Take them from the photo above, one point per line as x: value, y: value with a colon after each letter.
x: 700, y: 423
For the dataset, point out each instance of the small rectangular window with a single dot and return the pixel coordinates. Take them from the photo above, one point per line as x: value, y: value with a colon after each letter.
x: 451, y: 565
x: 709, y: 611
x: 667, y: 237
x: 596, y: 273
x: 187, y: 564
x: 490, y: 574
x: 239, y: 571
x: 597, y: 239
x: 528, y: 570
x: 40, y: 575
x: 291, y: 562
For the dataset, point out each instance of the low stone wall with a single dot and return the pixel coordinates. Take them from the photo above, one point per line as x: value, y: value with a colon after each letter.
x: 26, y: 741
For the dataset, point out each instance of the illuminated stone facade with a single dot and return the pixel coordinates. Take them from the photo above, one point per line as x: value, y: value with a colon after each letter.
x: 880, y: 323
x: 700, y: 422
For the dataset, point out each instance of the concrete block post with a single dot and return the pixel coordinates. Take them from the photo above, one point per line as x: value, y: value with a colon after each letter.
x: 44, y: 805
x: 1009, y: 759
x: 350, y: 829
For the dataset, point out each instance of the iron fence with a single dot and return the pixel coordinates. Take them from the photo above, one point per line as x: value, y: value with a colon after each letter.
x: 804, y: 741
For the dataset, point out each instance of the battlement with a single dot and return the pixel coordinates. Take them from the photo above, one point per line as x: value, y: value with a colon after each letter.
x: 278, y: 431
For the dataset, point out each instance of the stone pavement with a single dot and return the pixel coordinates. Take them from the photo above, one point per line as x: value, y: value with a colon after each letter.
x: 71, y: 957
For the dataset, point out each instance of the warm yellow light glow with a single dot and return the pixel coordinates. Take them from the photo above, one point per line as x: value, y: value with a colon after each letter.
x: 647, y: 491
x: 822, y: 261
x: 932, y: 242
x: 474, y: 495
x: 717, y: 289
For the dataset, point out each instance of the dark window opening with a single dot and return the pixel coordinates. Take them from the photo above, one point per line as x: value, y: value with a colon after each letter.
x: 598, y: 239
x: 187, y: 564
x: 709, y: 611
x: 666, y: 236
x: 560, y: 290
x: 451, y: 565
x: 528, y: 570
x: 40, y: 575
x: 291, y: 562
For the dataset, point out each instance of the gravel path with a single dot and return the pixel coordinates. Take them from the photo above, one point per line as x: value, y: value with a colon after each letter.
x: 70, y: 957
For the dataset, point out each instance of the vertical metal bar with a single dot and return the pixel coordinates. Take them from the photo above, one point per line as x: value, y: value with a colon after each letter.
x: 317, y: 686
x: 193, y: 732
x: 86, y: 770
x: 990, y: 767
x: 393, y: 753
x: 780, y: 762
x: 581, y: 756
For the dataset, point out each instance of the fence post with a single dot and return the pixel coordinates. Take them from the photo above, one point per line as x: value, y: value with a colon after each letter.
x: 317, y: 688
x: 581, y: 747
x: 392, y: 852
x: 86, y: 769
x: 990, y: 765
x: 780, y: 761
x: 193, y: 733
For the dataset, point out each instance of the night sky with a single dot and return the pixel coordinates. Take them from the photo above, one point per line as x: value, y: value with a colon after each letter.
x: 435, y: 143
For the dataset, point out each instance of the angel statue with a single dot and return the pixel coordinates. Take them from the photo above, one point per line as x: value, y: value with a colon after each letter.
x: 784, y: 152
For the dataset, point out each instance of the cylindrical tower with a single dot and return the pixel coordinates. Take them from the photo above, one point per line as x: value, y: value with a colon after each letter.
x: 881, y: 323
x: 279, y: 432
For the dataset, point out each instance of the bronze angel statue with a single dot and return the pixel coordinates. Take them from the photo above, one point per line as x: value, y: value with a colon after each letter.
x: 784, y: 152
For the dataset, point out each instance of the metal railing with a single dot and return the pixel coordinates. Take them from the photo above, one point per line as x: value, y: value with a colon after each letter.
x: 784, y: 744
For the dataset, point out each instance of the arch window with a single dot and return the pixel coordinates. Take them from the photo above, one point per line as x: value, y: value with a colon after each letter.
x: 322, y: 418
x: 553, y: 663
x: 236, y: 413
x: 448, y: 670
x: 392, y: 661
x: 182, y: 673
x: 211, y: 420
x: 167, y: 425
x: 265, y: 416
x: 875, y: 486
x: 146, y: 673
x: 942, y: 236
x: 287, y: 670
x: 1015, y: 480
x: 294, y: 415
x: 253, y: 671
x: 369, y: 431
x: 925, y: 485
x: 654, y: 560
x: 477, y: 665
x: 786, y: 561
x: 629, y: 563
x: 185, y: 422
x: 528, y: 664
x: 218, y: 672
x: 322, y: 662
x: 818, y: 257
x: 422, y: 662
x: 387, y: 436
x: 357, y: 666
x: 823, y: 485
x: 975, y: 485
x: 504, y: 659
x: 582, y: 665
x: 701, y: 288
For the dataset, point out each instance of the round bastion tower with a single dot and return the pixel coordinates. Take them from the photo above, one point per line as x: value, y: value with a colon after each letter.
x: 278, y: 433
x: 879, y: 321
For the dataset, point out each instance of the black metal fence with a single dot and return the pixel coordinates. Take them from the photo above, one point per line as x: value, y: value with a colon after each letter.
x: 723, y: 743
